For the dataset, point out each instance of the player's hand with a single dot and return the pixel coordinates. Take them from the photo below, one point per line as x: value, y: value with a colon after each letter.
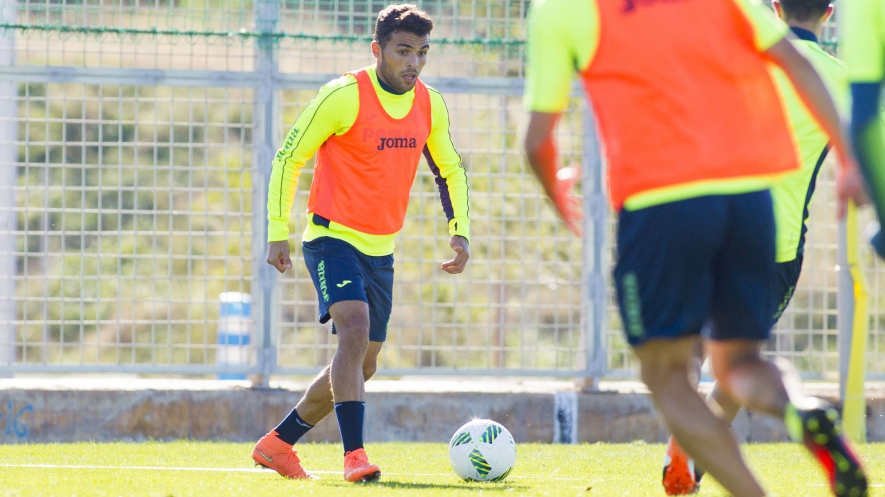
x: 567, y: 204
x: 849, y: 186
x: 462, y: 253
x: 278, y: 255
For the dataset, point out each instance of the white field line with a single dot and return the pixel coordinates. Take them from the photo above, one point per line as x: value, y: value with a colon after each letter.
x: 252, y: 470
x: 261, y: 470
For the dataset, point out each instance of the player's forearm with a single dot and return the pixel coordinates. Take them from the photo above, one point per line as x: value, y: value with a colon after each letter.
x: 542, y: 157
x: 281, y: 193
x: 867, y: 138
x: 813, y: 92
x: 456, y: 194
x: 541, y: 151
x: 451, y: 178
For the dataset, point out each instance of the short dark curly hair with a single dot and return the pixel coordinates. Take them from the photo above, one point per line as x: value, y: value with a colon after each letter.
x: 804, y: 10
x: 403, y: 17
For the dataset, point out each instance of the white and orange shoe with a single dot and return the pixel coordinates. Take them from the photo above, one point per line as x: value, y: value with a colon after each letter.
x: 275, y: 454
x: 358, y: 469
x: 679, y: 473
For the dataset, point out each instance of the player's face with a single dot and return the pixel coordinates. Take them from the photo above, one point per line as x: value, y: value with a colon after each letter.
x: 401, y: 59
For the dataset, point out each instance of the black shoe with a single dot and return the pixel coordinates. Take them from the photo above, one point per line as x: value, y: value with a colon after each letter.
x: 821, y: 431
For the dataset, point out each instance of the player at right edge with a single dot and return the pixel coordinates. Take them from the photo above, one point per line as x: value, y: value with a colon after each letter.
x: 863, y: 45
x: 694, y: 136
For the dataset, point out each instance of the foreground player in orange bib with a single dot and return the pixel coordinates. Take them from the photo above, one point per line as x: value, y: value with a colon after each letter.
x: 369, y: 130
x: 695, y: 135
x: 791, y: 196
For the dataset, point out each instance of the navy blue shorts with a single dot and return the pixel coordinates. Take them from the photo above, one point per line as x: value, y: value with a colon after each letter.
x: 340, y: 272
x: 785, y: 280
x: 683, y: 263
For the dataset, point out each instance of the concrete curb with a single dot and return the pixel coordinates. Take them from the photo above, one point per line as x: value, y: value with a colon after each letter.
x: 70, y: 410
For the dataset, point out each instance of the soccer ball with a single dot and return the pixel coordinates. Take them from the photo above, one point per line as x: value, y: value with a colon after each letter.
x: 482, y: 450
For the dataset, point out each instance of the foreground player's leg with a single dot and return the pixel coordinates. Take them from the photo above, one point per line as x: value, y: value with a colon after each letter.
x: 775, y: 389
x: 676, y: 465
x: 317, y: 401
x: 664, y: 369
x: 313, y: 407
x: 681, y: 476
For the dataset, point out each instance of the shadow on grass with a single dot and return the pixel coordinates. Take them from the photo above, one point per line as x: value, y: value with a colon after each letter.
x: 486, y: 487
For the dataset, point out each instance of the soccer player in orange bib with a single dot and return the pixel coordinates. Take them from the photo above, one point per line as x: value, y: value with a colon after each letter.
x: 369, y: 129
x: 791, y: 197
x: 695, y: 134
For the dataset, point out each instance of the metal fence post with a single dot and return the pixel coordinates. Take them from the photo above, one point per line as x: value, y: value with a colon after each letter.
x: 8, y: 161
x: 264, y: 124
x: 594, y: 264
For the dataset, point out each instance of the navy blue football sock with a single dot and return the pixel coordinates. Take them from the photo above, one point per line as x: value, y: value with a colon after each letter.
x: 350, y: 422
x: 292, y: 428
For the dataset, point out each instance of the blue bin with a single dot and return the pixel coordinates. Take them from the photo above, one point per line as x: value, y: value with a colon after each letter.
x: 234, y: 332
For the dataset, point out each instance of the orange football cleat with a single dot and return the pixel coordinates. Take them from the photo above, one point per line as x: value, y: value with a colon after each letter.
x: 679, y: 473
x: 357, y: 467
x: 275, y: 454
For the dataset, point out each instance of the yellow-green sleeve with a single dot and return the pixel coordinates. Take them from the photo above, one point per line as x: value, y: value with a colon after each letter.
x: 562, y: 37
x: 767, y: 28
x: 331, y: 112
x: 445, y: 163
x: 863, y: 40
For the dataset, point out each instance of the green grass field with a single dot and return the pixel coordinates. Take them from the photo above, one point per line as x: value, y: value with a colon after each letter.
x: 223, y: 469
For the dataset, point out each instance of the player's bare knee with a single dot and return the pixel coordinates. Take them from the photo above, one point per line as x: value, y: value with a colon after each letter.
x: 726, y: 365
x: 354, y: 339
x: 721, y: 370
x: 730, y: 355
x: 659, y: 376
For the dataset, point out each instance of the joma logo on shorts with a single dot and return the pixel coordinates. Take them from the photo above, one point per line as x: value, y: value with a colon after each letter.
x: 321, y: 273
x: 632, y: 305
x: 397, y: 143
x: 630, y: 5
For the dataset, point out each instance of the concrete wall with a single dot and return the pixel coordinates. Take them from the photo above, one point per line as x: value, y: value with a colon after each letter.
x: 106, y: 410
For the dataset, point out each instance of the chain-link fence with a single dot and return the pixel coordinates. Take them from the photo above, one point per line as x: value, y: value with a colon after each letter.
x: 135, y: 146
x: 140, y: 134
x: 132, y: 212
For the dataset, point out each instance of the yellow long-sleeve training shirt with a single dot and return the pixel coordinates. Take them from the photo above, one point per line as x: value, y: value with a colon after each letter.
x: 332, y: 112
